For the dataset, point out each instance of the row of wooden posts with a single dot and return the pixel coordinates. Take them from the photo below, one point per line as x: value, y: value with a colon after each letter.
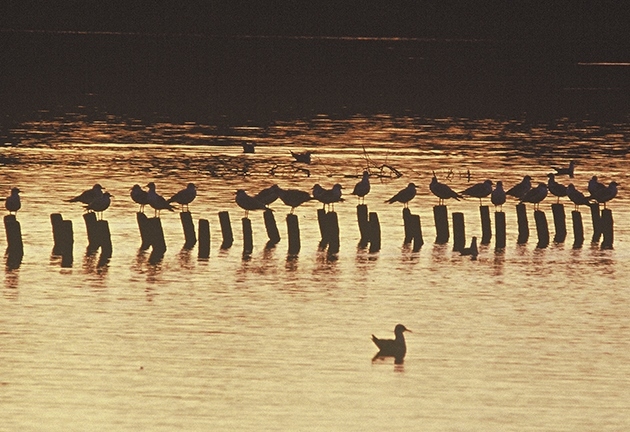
x: 152, y: 234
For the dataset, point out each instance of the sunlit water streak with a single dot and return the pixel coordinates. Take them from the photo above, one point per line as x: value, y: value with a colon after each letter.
x: 525, y: 339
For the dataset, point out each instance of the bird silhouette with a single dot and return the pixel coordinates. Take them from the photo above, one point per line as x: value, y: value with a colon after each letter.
x: 396, y: 348
x: 268, y: 195
x: 479, y: 190
x: 362, y: 188
x: 606, y: 194
x: 535, y: 195
x: 247, y: 202
x: 577, y: 197
x: 139, y: 196
x: 184, y: 196
x: 498, y: 195
x: 594, y: 186
x: 565, y: 170
x: 442, y: 191
x: 556, y: 188
x: 158, y: 202
x: 88, y: 195
x: 12, y: 202
x: 520, y: 189
x: 404, y: 195
x: 100, y: 204
x: 328, y: 197
x: 472, y: 251
x: 293, y: 197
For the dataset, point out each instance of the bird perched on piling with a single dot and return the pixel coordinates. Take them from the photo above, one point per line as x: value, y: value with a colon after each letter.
x: 328, y: 197
x: 184, y: 196
x: 158, y: 202
x: 498, y: 195
x: 479, y: 190
x: 535, y: 195
x: 247, y: 202
x: 577, y: 197
x: 442, y: 191
x: 362, y: 188
x: 556, y: 188
x: 89, y: 195
x: 100, y: 204
x: 404, y: 195
x: 606, y: 194
x: 565, y: 170
x: 520, y: 189
x: 268, y: 195
x: 12, y: 202
x: 594, y: 186
x: 396, y: 348
x: 139, y: 196
x: 293, y: 197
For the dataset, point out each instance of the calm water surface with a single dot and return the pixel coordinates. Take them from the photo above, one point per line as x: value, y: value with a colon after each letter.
x: 522, y: 339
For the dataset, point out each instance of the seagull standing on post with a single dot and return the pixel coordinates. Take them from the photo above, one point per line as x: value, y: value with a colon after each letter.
x: 12, y: 203
x: 139, y: 196
x: 158, y: 202
x: 89, y: 195
x: 535, y: 195
x: 556, y: 188
x: 247, y: 202
x: 479, y: 190
x: 362, y: 188
x: 498, y: 195
x: 519, y: 190
x: 404, y: 195
x: 184, y: 196
x: 442, y: 191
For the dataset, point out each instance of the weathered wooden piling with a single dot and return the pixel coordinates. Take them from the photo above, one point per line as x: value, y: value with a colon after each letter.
x: 416, y: 232
x: 15, y: 246
x: 92, y: 234
x: 142, y: 219
x: 190, y: 238
x: 542, y: 229
x: 559, y: 223
x: 486, y: 224
x: 596, y: 218
x: 203, y: 249
x: 155, y: 235
x: 332, y: 222
x: 523, y: 225
x: 293, y: 229
x: 323, y: 228
x: 606, y: 222
x: 406, y: 214
x: 459, y: 232
x: 374, y: 228
x: 104, y: 238
x: 578, y: 229
x: 440, y: 215
x: 272, y: 228
x: 62, y: 235
x: 248, y: 238
x: 499, y: 227
x: 226, y: 230
x: 364, y: 225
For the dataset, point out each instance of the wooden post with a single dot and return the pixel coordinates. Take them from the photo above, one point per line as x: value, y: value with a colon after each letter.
x: 248, y: 238
x: 293, y: 228
x: 523, y: 225
x: 332, y: 221
x: 374, y: 232
x: 607, y: 228
x: 272, y: 228
x: 15, y: 246
x: 459, y: 232
x: 142, y: 219
x: 155, y: 234
x: 578, y: 229
x: 92, y: 235
x: 323, y: 228
x: 416, y: 231
x: 190, y: 238
x: 499, y: 227
x: 104, y: 239
x: 440, y: 215
x: 595, y: 217
x: 542, y: 229
x: 226, y: 230
x: 364, y: 225
x: 56, y: 220
x: 486, y: 224
x: 204, y: 239
x: 407, y: 224
x: 559, y: 223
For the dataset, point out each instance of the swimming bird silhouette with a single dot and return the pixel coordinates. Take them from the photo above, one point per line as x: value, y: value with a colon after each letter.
x: 404, y: 195
x: 13, y: 203
x: 304, y: 157
x: 158, y: 202
x: 89, y: 195
x: 479, y: 190
x: 594, y: 186
x: 565, y: 170
x: 362, y: 188
x: 268, y: 195
x: 100, y: 204
x: 498, y: 195
x: 535, y: 195
x: 139, y: 196
x: 442, y: 191
x: 392, y: 347
x: 556, y: 188
x: 184, y: 196
x: 328, y: 197
x: 247, y: 202
x: 293, y: 197
x: 472, y: 251
x: 520, y: 189
x: 577, y: 197
x: 606, y: 194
